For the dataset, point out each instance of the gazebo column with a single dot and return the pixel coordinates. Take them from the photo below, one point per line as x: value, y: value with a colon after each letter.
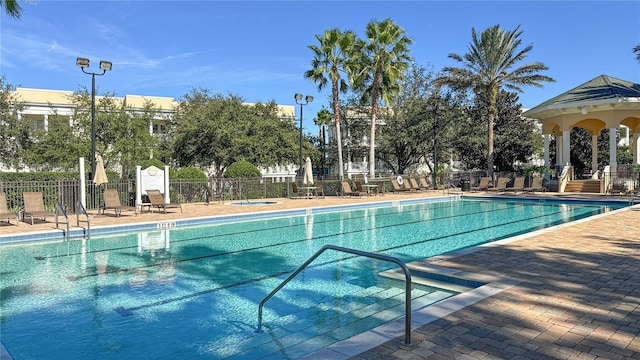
x: 546, y: 150
x: 613, y: 149
x: 594, y: 153
x: 635, y: 147
x: 566, y: 147
x: 558, y: 150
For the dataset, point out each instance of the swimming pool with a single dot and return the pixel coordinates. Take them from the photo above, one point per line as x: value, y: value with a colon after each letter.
x: 193, y: 292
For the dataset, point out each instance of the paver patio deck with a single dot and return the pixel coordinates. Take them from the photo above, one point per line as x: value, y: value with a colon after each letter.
x: 578, y: 295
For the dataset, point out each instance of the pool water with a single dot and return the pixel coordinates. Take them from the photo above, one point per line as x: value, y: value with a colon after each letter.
x: 194, y: 292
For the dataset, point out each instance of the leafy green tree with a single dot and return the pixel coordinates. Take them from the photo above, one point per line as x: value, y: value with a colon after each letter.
x: 58, y: 147
x: 242, y: 169
x: 214, y: 131
x: 331, y: 59
x: 488, y: 67
x: 122, y: 134
x: 382, y: 60
x: 15, y: 138
x: 11, y: 8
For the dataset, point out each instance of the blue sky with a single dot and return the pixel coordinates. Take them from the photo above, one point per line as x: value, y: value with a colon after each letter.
x: 258, y: 49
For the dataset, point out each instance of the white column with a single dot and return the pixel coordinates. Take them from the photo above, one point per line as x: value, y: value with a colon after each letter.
x: 167, y: 199
x: 626, y: 135
x: 46, y: 122
x: 546, y: 150
x: 635, y: 148
x: 613, y: 149
x: 558, y: 150
x: 83, y: 194
x: 150, y: 127
x: 566, y: 149
x: 138, y: 185
x: 594, y: 153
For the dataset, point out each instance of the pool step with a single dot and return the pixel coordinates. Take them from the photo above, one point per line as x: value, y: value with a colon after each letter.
x: 320, y: 326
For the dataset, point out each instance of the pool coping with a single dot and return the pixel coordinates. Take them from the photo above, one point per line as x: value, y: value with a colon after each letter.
x: 393, y: 330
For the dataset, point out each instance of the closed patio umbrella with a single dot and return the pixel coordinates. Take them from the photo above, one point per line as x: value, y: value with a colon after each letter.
x: 308, y: 173
x: 100, y: 177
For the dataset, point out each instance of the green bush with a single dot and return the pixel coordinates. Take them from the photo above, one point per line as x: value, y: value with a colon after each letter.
x: 38, y: 176
x: 189, y: 173
x: 242, y: 169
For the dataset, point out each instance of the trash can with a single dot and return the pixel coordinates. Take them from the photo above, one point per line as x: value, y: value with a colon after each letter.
x: 465, y: 185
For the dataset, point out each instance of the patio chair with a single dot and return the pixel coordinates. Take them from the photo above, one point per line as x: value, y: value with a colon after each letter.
x: 346, y: 190
x: 536, y: 185
x: 157, y: 201
x: 415, y: 185
x: 397, y: 187
x: 501, y: 185
x: 518, y: 185
x: 112, y: 202
x: 483, y: 185
x: 5, y: 214
x: 34, y: 207
x: 319, y: 191
x: 296, y: 193
x: 360, y: 188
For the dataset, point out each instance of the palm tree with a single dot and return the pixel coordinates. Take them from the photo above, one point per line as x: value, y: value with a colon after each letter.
x: 637, y: 51
x: 324, y: 118
x: 12, y: 8
x: 329, y: 62
x: 489, y: 66
x: 384, y: 57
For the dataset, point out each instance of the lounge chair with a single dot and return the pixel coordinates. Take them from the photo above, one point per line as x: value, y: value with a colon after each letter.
x: 415, y: 185
x: 397, y: 187
x: 518, y: 185
x: 536, y: 185
x: 34, y: 207
x: 319, y: 191
x: 296, y: 193
x: 501, y: 185
x: 157, y: 201
x: 424, y: 183
x: 346, y: 190
x: 112, y: 202
x: 483, y: 185
x: 359, y: 188
x: 5, y: 214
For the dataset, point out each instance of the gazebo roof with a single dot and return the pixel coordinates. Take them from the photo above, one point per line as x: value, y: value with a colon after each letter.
x: 601, y: 90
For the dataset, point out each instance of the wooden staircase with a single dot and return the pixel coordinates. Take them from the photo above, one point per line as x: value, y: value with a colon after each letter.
x: 583, y: 186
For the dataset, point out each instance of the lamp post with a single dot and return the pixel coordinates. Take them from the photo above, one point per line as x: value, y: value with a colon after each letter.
x: 104, y: 66
x: 307, y: 100
x: 435, y: 145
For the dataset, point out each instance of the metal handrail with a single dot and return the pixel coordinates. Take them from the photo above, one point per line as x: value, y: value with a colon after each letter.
x: 64, y: 212
x: 81, y: 209
x: 407, y: 274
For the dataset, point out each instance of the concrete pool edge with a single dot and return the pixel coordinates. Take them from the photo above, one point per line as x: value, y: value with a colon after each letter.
x: 392, y: 330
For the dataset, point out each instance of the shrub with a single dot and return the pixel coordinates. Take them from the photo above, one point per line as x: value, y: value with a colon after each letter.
x: 242, y: 169
x: 190, y: 173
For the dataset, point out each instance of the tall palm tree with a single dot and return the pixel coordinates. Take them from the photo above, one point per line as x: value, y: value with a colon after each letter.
x: 330, y: 61
x: 12, y: 8
x: 636, y: 50
x: 489, y: 66
x: 324, y: 118
x: 384, y: 57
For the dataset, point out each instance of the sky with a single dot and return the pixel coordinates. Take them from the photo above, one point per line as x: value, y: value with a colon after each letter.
x: 259, y: 51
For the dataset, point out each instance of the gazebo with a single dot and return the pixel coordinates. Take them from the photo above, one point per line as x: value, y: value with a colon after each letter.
x: 604, y: 102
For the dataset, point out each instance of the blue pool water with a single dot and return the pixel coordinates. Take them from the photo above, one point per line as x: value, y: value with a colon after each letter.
x: 194, y: 292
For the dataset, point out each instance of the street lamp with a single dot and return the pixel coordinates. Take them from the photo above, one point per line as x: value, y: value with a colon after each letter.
x: 104, y: 66
x: 307, y: 100
x: 435, y: 145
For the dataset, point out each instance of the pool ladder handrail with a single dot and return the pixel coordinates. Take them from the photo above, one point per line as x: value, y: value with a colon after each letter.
x: 81, y: 209
x: 405, y: 269
x: 60, y: 209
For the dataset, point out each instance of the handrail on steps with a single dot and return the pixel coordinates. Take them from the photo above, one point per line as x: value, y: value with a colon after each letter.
x: 81, y: 209
x: 60, y: 208
x: 407, y: 274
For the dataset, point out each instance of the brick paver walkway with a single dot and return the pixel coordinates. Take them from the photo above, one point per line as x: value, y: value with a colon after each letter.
x: 579, y: 298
